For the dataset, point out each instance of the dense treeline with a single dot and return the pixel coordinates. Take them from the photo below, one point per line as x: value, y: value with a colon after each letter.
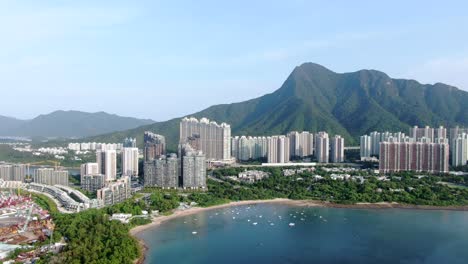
x: 92, y: 238
x: 404, y: 188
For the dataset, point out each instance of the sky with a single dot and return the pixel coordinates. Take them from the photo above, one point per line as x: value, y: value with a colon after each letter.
x: 165, y: 59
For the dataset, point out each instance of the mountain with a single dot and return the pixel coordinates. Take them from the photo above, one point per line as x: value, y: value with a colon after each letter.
x: 315, y: 98
x: 8, y: 123
x: 69, y: 124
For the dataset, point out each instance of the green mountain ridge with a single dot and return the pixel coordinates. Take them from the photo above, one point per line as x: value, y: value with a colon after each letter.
x: 314, y: 98
x: 69, y: 124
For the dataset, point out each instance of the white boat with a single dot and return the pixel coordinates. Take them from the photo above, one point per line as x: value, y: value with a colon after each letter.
x: 292, y: 224
x: 255, y: 223
x: 194, y: 232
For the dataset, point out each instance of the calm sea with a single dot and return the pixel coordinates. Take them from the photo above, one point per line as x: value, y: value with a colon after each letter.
x: 286, y: 234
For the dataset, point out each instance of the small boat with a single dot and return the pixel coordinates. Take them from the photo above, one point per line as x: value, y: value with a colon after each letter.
x: 194, y: 232
x: 292, y: 224
x: 255, y: 223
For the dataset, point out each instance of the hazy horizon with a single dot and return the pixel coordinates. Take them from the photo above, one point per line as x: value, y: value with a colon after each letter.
x: 165, y: 60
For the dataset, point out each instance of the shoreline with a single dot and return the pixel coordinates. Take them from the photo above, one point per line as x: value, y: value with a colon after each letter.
x: 305, y: 203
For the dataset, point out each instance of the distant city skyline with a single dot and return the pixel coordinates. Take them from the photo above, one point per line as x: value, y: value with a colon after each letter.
x: 160, y: 61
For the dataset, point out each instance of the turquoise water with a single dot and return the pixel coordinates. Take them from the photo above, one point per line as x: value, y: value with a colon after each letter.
x: 319, y: 235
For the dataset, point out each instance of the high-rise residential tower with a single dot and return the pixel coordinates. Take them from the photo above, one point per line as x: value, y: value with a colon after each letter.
x: 414, y: 156
x: 155, y: 146
x: 90, y: 168
x: 193, y: 167
x: 301, y: 144
x: 278, y: 149
x: 130, y: 161
x: 162, y: 172
x: 460, y: 150
x: 365, y: 146
x: 12, y: 172
x: 322, y: 147
x: 337, y: 149
x: 107, y: 164
x: 207, y: 136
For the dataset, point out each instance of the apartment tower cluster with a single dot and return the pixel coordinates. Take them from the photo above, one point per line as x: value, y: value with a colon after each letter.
x: 283, y: 148
x: 426, y: 149
x: 188, y: 169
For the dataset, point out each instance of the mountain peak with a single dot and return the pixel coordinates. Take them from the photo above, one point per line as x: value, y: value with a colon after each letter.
x: 310, y: 67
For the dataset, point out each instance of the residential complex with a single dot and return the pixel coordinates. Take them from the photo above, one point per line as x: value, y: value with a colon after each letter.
x: 427, y: 132
x: 207, y: 136
x: 456, y: 142
x: 93, y: 146
x: 248, y: 148
x: 162, y: 172
x: 51, y: 176
x: 281, y: 148
x: 370, y: 144
x: 115, y: 192
x: 12, y: 172
x: 409, y: 155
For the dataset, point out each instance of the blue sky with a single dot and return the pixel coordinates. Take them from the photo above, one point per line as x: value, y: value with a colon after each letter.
x: 155, y: 59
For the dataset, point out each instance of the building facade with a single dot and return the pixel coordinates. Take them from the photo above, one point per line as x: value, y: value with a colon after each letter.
x: 90, y: 168
x: 207, y: 136
x: 51, y: 176
x: 459, y: 149
x: 155, y: 146
x: 301, y: 144
x: 322, y: 147
x: 278, y: 149
x: 421, y: 156
x: 130, y: 161
x: 365, y: 147
x: 193, y: 167
x: 246, y: 148
x: 115, y: 192
x: 162, y: 172
x: 107, y: 163
x: 337, y: 149
x: 12, y: 172
x: 93, y: 182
